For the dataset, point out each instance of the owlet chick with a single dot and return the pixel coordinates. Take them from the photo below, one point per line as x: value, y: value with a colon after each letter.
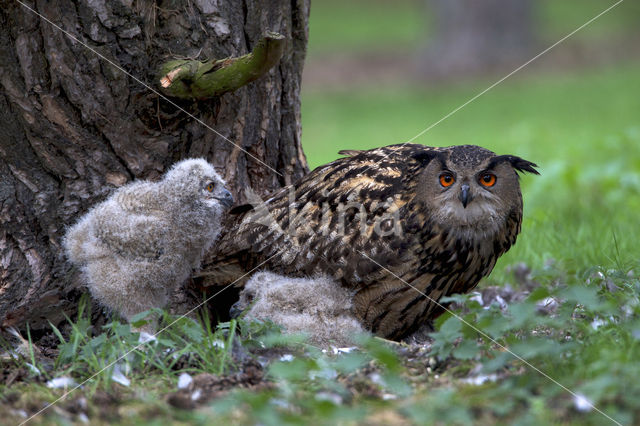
x: 144, y: 240
x: 401, y: 226
x: 325, y: 318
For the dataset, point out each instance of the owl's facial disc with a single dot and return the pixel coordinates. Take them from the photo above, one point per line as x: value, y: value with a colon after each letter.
x: 470, y: 194
x: 465, y: 198
x: 468, y: 206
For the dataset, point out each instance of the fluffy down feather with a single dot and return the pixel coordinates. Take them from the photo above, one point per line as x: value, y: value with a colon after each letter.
x: 324, y: 316
x: 145, y: 239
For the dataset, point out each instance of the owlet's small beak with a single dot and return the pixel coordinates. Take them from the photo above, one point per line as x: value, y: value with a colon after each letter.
x: 465, y: 197
x: 236, y: 310
x: 226, y: 199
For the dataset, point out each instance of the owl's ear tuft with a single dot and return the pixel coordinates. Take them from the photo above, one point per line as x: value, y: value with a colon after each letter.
x: 519, y: 164
x: 350, y: 152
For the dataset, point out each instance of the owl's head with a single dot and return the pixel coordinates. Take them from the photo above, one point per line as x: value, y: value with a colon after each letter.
x: 471, y: 188
x: 195, y: 183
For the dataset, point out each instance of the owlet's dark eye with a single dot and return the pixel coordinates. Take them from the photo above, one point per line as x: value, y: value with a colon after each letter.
x: 210, y: 187
x: 487, y: 179
x: 447, y: 179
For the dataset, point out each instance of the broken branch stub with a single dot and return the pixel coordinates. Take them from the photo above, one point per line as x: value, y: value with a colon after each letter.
x: 190, y: 79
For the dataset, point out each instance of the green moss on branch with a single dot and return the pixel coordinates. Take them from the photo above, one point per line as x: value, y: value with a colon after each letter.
x: 189, y: 79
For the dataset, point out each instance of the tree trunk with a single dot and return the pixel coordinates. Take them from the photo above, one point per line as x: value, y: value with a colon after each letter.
x: 478, y: 36
x: 73, y: 127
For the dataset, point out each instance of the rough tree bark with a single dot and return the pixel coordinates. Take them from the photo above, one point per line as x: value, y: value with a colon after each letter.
x: 73, y: 128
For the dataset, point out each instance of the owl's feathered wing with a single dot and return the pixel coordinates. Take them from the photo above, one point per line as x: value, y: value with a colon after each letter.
x: 316, y: 227
x: 313, y: 228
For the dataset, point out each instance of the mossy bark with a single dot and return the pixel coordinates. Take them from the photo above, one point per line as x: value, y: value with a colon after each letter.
x: 199, y: 80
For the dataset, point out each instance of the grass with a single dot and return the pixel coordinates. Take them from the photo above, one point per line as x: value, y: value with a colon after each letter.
x: 557, y: 18
x: 333, y: 27
x: 590, y: 345
x: 368, y: 26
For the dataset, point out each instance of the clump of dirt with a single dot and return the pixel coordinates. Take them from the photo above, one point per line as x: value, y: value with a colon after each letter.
x: 106, y: 404
x: 10, y: 374
x: 363, y: 383
x: 205, y: 387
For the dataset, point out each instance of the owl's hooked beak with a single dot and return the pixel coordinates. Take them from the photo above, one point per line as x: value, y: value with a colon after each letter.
x: 465, y: 197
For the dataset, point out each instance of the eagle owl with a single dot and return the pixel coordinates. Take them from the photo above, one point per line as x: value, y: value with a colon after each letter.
x: 144, y: 240
x: 436, y: 218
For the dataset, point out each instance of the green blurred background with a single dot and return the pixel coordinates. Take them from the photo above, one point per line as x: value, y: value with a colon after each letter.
x: 575, y: 112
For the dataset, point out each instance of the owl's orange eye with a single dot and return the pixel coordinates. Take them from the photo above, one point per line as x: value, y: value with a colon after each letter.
x: 446, y: 179
x: 210, y: 187
x: 487, y: 179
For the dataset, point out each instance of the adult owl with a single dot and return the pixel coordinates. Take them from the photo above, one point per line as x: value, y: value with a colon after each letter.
x: 144, y: 240
x: 436, y: 218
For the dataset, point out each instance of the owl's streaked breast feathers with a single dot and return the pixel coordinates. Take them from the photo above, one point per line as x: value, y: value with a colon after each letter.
x: 381, y: 210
